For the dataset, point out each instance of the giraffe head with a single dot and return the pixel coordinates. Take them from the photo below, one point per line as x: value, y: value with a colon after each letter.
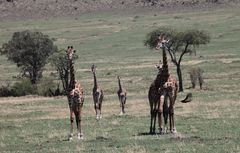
x: 70, y: 51
x: 77, y: 92
x: 159, y: 66
x: 162, y: 41
x: 93, y: 68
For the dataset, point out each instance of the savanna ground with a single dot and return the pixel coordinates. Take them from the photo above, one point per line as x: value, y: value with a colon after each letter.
x: 114, y: 42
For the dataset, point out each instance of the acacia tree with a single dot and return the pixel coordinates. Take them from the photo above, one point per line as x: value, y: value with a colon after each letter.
x: 179, y: 43
x: 29, y: 50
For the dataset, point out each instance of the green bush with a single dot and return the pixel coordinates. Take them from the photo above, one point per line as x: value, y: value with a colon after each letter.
x: 23, y: 88
x: 195, y: 74
x: 48, y: 88
x: 5, y: 91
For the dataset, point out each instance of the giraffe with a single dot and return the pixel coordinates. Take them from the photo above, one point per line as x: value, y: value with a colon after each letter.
x: 122, y: 96
x: 168, y: 90
x: 153, y: 97
x: 97, y: 95
x: 75, y: 96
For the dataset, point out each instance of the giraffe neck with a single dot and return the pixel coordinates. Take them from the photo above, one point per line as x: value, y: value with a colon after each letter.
x: 95, y: 80
x: 119, y: 84
x: 158, y: 81
x: 72, y: 75
x: 165, y: 72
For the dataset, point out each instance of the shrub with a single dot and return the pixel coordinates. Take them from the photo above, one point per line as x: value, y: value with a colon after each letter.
x: 49, y: 88
x: 23, y: 88
x: 5, y: 91
x: 195, y: 74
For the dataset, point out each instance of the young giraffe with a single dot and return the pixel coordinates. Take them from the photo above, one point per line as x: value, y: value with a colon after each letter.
x: 153, y: 97
x: 75, y: 96
x: 122, y: 96
x: 97, y: 95
x: 168, y: 90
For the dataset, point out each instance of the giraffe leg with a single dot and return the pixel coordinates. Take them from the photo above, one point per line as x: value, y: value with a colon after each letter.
x: 160, y: 115
x: 151, y: 123
x: 155, y: 116
x: 121, y: 107
x: 171, y: 114
x: 172, y: 127
x: 100, y: 109
x: 151, y: 116
x: 71, y: 127
x: 174, y: 130
x: 124, y: 102
x: 154, y: 120
x: 78, y: 120
x: 165, y: 114
x: 96, y: 110
x: 170, y: 119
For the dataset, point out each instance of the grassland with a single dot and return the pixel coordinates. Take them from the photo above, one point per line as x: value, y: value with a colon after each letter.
x: 114, y: 42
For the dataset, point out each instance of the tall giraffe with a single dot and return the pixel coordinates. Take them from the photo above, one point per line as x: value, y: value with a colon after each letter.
x: 75, y: 96
x: 168, y: 90
x: 97, y: 95
x: 122, y: 96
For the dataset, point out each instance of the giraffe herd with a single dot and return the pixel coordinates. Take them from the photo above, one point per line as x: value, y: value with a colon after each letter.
x: 162, y: 95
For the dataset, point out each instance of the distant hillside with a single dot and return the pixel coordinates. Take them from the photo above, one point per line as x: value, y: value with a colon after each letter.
x: 45, y: 8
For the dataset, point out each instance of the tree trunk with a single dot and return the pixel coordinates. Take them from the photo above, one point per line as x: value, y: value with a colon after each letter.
x: 179, y: 73
x: 34, y: 77
x: 34, y: 72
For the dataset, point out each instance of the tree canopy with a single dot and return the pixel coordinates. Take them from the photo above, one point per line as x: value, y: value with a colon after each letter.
x: 29, y: 50
x: 151, y: 40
